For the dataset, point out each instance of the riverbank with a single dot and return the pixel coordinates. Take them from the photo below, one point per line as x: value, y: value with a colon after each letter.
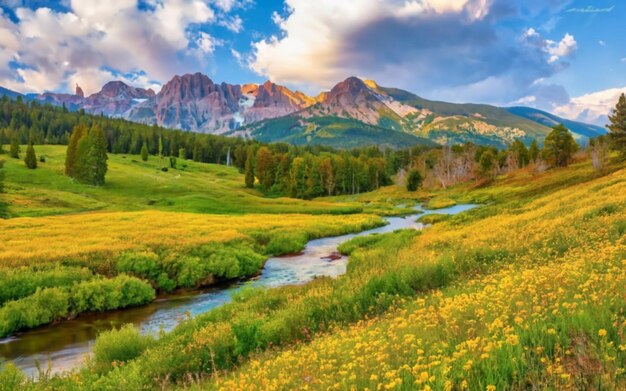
x: 64, y: 345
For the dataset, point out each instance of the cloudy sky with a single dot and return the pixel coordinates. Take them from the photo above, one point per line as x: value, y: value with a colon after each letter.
x: 565, y: 56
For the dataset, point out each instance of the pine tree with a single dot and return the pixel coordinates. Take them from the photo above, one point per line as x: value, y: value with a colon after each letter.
x: 249, y: 169
x: 71, y: 156
x: 15, y: 147
x: 618, y: 126
x: 533, y: 151
x: 97, y: 156
x: 144, y: 152
x: 414, y: 181
x: 91, y: 158
x: 31, y: 159
x: 559, y: 146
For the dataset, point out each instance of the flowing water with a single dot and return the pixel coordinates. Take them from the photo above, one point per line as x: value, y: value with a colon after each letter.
x: 66, y: 344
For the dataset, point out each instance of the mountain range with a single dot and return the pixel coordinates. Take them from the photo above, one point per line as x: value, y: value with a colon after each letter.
x: 354, y: 112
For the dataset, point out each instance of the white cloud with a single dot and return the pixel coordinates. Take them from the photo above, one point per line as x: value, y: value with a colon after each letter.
x: 234, y: 24
x: 98, y: 39
x: 555, y: 50
x: 601, y: 43
x: 207, y: 43
x: 311, y: 50
x: 623, y: 59
x: 593, y: 107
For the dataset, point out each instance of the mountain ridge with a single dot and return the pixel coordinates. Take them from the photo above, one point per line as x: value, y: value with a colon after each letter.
x: 272, y: 112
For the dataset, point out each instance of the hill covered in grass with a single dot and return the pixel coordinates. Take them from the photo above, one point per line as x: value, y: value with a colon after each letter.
x: 524, y: 291
x: 132, y: 185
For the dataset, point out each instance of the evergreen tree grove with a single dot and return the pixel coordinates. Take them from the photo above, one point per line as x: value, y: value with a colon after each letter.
x: 71, y: 156
x: 87, y: 156
x: 31, y: 159
x: 617, y: 127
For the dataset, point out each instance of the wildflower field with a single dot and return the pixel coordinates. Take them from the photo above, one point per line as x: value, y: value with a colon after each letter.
x: 72, y: 248
x: 526, y: 291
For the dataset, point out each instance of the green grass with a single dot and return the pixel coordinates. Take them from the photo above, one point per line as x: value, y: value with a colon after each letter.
x: 132, y: 184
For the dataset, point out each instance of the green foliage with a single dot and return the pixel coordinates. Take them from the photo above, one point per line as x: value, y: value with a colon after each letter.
x: 14, y: 150
x: 50, y: 304
x: 559, y: 146
x: 11, y: 378
x: 119, y: 346
x: 42, y: 307
x: 520, y: 153
x: 488, y: 164
x: 17, y: 283
x: 172, y: 161
x: 286, y: 243
x: 144, y: 264
x: 249, y: 168
x: 109, y: 294
x: 264, y: 168
x: 144, y: 152
x: 31, y: 159
x: 1, y: 175
x: 533, y: 151
x: 71, y: 157
x: 617, y: 126
x: 432, y: 218
x: 414, y: 181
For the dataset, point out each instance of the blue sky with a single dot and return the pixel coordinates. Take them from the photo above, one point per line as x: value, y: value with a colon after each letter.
x: 565, y: 56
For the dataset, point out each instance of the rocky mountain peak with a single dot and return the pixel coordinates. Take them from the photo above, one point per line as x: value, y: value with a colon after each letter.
x: 350, y: 92
x: 79, y: 91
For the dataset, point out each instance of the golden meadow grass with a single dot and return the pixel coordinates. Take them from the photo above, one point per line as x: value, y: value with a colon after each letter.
x: 550, y: 318
x: 29, y: 240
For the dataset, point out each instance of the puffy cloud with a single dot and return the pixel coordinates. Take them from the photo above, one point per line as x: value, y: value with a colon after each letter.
x: 452, y: 49
x: 593, y: 107
x: 556, y: 50
x: 93, y: 40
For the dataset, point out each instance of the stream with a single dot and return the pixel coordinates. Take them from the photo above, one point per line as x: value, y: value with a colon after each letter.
x: 65, y: 345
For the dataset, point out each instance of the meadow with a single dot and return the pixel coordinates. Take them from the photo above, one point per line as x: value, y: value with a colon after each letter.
x: 71, y: 248
x: 525, y: 291
x: 133, y: 185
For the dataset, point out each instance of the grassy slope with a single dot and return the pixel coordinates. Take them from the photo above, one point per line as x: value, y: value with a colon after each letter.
x: 134, y: 185
x: 143, y: 212
x: 539, y: 303
x: 495, y: 299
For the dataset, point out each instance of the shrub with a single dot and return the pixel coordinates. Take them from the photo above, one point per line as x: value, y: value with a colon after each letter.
x: 109, y: 294
x: 144, y: 264
x: 44, y: 306
x: 119, y: 345
x: 414, y: 181
x: 24, y: 281
x: 432, y: 218
x: 11, y: 378
x: 286, y: 243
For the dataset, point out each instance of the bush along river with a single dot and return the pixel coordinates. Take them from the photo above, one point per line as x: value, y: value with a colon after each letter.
x: 65, y: 345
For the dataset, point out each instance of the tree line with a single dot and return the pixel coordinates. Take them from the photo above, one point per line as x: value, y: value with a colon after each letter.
x: 283, y: 169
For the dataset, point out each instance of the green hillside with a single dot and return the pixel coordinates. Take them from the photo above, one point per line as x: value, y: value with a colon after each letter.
x: 331, y: 131
x: 132, y: 184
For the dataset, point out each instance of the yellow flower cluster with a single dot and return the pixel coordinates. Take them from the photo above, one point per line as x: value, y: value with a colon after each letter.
x: 27, y: 240
x: 541, y: 307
